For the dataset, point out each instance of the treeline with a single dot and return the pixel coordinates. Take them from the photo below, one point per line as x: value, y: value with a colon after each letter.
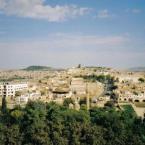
x: 51, y: 124
x: 12, y: 79
x: 101, y: 78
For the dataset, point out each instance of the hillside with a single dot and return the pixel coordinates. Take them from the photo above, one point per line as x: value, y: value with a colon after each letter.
x: 36, y: 68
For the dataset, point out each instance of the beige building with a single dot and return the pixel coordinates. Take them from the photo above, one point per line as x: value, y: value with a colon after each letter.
x: 78, y: 86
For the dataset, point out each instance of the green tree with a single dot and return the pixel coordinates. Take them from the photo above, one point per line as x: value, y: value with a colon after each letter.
x: 34, y: 126
x: 142, y: 80
x: 51, y: 124
x: 4, y: 105
x: 67, y: 101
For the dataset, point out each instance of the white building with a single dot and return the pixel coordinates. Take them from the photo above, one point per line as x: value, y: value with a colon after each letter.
x: 9, y: 89
x: 128, y: 78
x: 23, y: 99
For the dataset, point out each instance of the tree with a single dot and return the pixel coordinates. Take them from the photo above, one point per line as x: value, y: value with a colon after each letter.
x: 142, y: 80
x: 40, y: 81
x: 84, y: 107
x: 110, y: 104
x: 34, y: 126
x: 67, y: 101
x: 12, y: 135
x: 43, y: 92
x: 79, y: 65
x: 92, y: 135
x: 51, y: 124
x: 4, y: 105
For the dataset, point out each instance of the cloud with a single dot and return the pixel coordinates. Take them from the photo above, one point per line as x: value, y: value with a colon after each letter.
x: 37, y: 9
x: 2, y: 31
x: 104, y: 14
x: 134, y: 11
x: 67, y: 42
x: 63, y: 50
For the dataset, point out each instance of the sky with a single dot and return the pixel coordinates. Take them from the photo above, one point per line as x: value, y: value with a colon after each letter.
x: 65, y: 33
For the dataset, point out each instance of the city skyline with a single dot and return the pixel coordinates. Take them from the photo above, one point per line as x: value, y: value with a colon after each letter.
x: 66, y: 33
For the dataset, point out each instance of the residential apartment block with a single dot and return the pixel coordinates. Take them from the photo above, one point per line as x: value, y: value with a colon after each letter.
x: 9, y: 89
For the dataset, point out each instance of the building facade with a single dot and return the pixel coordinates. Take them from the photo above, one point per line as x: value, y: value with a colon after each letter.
x: 78, y: 86
x: 9, y: 89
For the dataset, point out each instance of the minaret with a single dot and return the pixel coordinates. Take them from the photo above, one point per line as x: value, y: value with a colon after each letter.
x: 87, y: 97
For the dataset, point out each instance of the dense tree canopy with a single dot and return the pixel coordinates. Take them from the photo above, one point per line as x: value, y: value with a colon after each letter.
x: 51, y: 124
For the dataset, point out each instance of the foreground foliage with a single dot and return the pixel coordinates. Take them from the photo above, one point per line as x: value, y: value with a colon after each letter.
x: 51, y: 124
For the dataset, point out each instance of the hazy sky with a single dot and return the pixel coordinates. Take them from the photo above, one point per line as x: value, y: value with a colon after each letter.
x: 63, y: 33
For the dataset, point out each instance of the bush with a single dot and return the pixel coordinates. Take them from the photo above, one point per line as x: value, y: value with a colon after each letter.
x: 142, y: 80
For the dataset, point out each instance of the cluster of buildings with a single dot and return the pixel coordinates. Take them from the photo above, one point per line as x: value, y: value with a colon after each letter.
x: 18, y: 93
x: 68, y: 83
x: 59, y: 89
x: 130, y: 89
x: 130, y: 97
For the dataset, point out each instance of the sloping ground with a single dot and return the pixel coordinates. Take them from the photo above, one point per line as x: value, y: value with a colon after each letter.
x: 138, y: 110
x: 129, y: 108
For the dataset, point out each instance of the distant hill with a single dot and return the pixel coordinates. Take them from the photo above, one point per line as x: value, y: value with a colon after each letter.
x: 37, y: 68
x: 137, y: 69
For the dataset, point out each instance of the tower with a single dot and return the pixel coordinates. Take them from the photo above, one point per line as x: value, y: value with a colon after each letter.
x: 4, y: 95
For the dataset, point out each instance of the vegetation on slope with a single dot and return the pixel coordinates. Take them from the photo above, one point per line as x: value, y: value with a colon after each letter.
x: 36, y: 68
